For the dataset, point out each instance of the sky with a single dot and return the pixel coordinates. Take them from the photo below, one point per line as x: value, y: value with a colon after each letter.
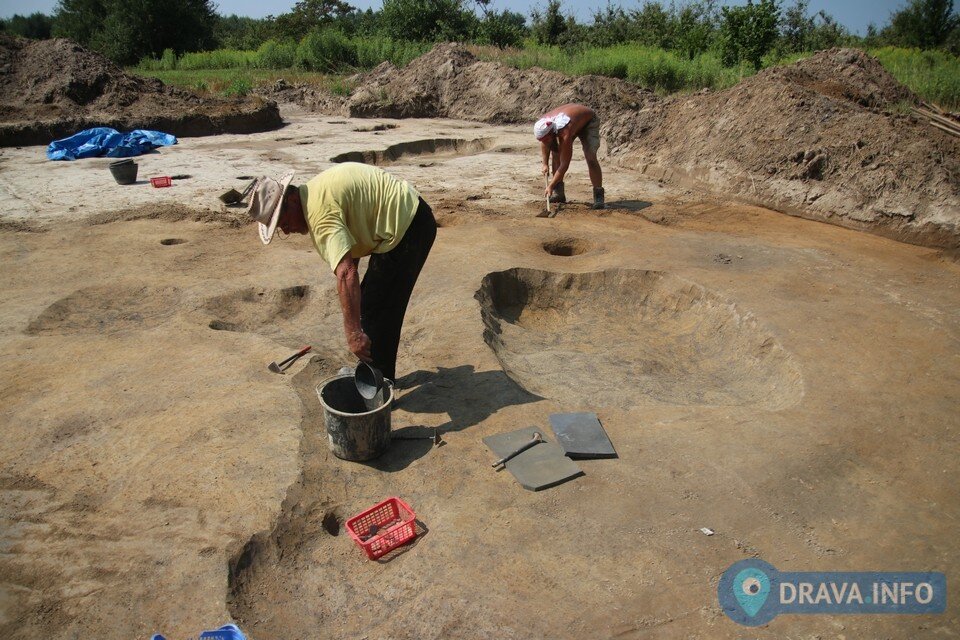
x: 855, y: 15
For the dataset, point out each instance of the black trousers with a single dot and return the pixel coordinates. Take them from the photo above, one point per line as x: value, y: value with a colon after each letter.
x: 387, y: 285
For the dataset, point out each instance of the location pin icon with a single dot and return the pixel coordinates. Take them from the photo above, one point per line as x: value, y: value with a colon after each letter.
x: 751, y: 588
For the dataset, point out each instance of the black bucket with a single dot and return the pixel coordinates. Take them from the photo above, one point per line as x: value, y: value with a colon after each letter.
x: 357, y: 429
x: 124, y: 171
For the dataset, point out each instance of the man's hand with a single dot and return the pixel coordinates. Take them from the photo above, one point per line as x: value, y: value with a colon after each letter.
x: 548, y: 191
x: 545, y: 169
x: 359, y: 344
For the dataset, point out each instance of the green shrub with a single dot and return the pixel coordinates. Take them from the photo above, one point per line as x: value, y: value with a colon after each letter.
x: 239, y: 87
x: 504, y: 29
x: 327, y: 50
x: 748, y: 32
x: 277, y: 55
x: 372, y: 50
x: 426, y: 20
x: 340, y: 87
x: 166, y: 62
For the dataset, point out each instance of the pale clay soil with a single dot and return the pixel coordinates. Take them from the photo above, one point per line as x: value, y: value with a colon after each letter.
x: 791, y: 385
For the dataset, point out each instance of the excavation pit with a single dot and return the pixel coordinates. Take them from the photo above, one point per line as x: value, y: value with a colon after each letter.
x: 619, y: 337
x: 566, y: 247
x: 418, y: 148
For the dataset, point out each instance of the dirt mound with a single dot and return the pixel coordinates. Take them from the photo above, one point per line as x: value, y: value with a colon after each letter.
x: 819, y: 139
x: 822, y: 138
x: 848, y: 74
x: 53, y: 88
x: 450, y: 82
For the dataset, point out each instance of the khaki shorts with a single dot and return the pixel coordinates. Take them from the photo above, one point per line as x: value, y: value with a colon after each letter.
x: 590, y: 136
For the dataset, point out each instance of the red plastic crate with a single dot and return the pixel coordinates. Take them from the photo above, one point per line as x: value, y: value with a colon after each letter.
x: 383, y: 527
x: 162, y: 181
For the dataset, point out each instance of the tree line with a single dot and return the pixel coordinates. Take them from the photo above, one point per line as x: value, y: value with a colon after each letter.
x: 128, y: 31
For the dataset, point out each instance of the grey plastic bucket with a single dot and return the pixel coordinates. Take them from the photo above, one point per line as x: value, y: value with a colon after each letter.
x: 124, y: 171
x: 354, y: 431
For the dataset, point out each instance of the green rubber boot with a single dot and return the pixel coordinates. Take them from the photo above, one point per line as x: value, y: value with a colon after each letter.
x: 558, y: 196
x: 598, y: 198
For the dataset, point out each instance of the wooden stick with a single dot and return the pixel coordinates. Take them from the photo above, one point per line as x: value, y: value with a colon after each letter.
x: 946, y: 117
x: 939, y: 122
x: 953, y: 132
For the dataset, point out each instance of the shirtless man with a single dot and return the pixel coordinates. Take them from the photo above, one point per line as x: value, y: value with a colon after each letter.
x: 556, y: 131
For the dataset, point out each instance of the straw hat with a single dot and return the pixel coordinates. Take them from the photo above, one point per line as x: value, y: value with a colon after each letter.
x: 266, y: 202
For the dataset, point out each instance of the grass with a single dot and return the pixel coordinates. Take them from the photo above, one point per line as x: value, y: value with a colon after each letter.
x: 231, y: 81
x: 656, y: 69
x: 330, y: 56
x: 932, y: 75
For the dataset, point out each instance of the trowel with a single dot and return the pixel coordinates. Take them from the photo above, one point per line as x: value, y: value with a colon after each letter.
x: 286, y: 363
x: 233, y: 196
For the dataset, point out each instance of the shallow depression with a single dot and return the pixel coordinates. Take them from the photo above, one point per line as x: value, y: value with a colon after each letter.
x: 105, y: 309
x: 614, y: 338
x: 252, y: 308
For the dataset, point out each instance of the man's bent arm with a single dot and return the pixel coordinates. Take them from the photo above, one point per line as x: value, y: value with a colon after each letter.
x: 566, y: 154
x: 348, y: 290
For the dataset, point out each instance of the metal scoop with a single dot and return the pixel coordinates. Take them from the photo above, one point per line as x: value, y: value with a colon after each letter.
x: 368, y: 379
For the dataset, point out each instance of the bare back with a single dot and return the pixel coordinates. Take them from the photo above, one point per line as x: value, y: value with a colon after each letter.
x: 580, y: 116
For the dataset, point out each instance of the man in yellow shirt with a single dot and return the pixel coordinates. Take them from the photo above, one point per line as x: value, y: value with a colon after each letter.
x: 350, y: 211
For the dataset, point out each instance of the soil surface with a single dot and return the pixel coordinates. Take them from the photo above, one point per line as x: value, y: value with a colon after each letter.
x: 791, y: 385
x: 823, y: 138
x: 51, y: 89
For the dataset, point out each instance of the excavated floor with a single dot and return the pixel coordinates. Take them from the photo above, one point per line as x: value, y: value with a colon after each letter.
x: 790, y: 385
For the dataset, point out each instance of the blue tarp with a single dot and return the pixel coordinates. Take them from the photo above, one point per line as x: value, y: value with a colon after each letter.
x: 226, y: 632
x: 104, y: 141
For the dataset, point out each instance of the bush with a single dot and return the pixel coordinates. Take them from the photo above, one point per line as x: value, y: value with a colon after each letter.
x: 239, y: 87
x: 923, y: 23
x: 426, y: 20
x: 748, y: 32
x: 550, y: 26
x: 372, y: 50
x: 327, y: 50
x: 340, y: 87
x: 277, y: 55
x: 167, y: 62
x: 504, y: 29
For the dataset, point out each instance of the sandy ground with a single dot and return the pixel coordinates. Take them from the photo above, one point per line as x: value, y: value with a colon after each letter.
x: 156, y: 477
